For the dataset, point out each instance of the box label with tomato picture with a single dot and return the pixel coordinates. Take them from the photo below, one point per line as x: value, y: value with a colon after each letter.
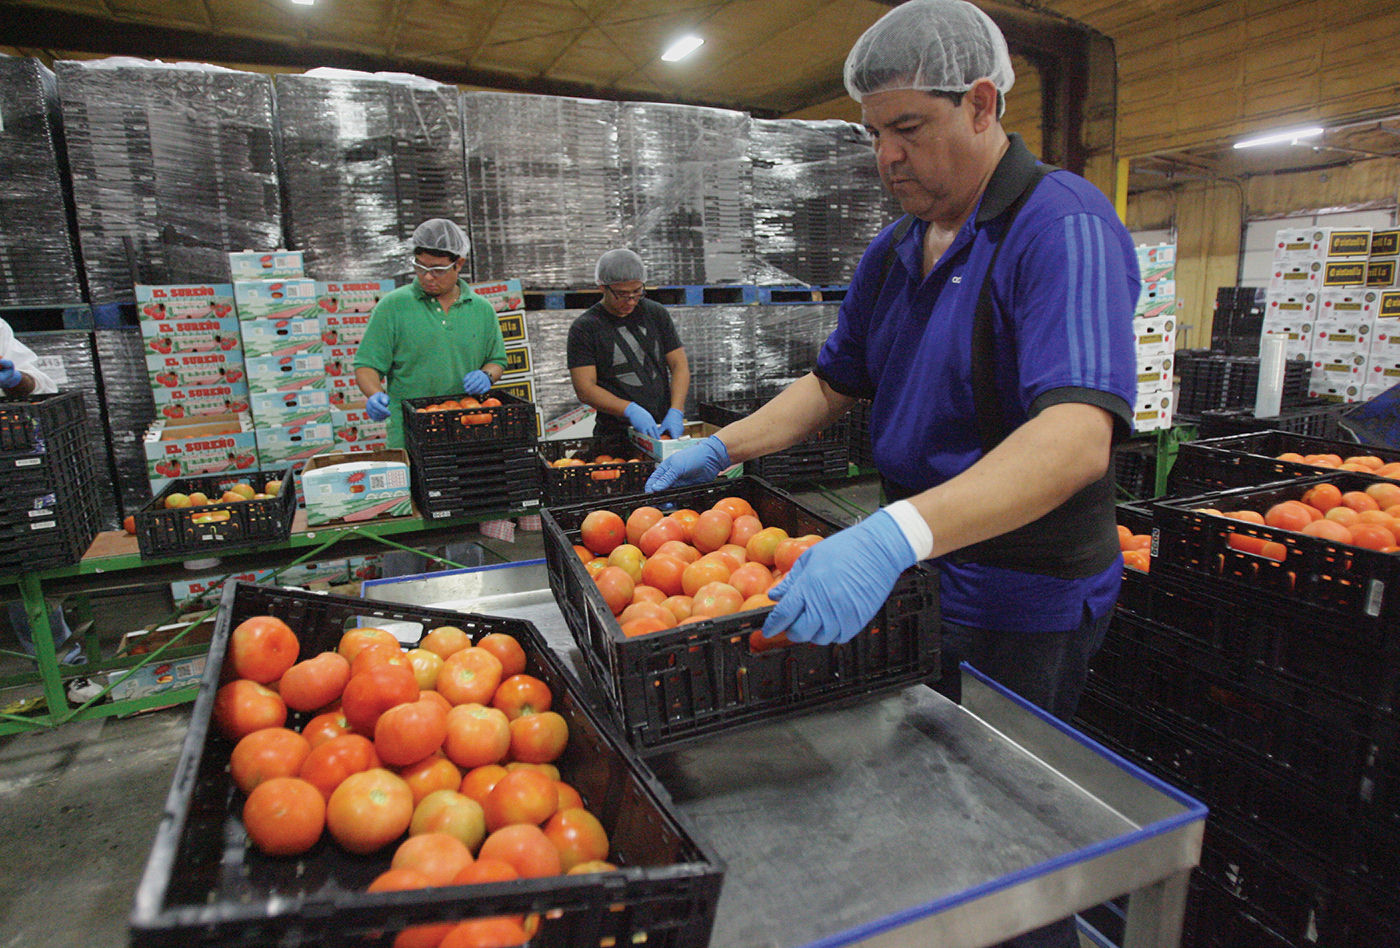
x: 167, y: 336
x: 266, y: 265
x: 344, y: 393
x: 265, y: 337
x: 505, y: 296
x: 184, y: 301
x: 306, y: 406
x: 195, y: 369
x: 286, y: 373
x: 340, y: 360
x: 208, y: 448
x: 343, y: 329
x: 357, y: 431
x: 201, y: 401
x: 275, y: 299
x: 282, y: 443
x: 351, y: 297
x: 351, y: 487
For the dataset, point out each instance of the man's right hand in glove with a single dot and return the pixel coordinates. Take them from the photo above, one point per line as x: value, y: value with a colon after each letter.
x: 639, y: 418
x: 694, y: 465
x: 378, y: 406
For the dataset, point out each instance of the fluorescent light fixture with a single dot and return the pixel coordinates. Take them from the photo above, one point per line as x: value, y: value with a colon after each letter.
x: 304, y: 3
x: 1292, y: 136
x: 682, y: 48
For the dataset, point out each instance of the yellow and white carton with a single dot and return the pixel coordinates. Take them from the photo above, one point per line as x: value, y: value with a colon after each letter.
x: 355, y: 487
x: 1154, y: 372
x: 1153, y: 410
x: 1155, y: 335
x: 1382, y: 374
x: 1294, y: 245
x: 1334, y: 242
x: 1291, y: 278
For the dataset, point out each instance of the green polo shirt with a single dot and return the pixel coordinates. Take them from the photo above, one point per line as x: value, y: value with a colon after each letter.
x: 422, y: 351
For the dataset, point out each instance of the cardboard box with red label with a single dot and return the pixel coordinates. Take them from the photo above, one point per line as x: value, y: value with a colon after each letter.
x: 266, y: 265
x: 343, y: 329
x: 344, y: 393
x: 352, y: 296
x: 209, y: 445
x: 302, y: 407
x: 354, y: 487
x: 505, y: 296
x: 278, y: 337
x: 169, y: 336
x: 340, y: 360
x: 357, y: 431
x: 276, y: 299
x: 195, y: 369
x: 287, y: 373
x: 201, y: 401
x: 184, y: 301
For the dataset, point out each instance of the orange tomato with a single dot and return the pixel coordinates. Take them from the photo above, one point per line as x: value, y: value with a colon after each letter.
x: 616, y: 585
x: 664, y: 573
x: 1323, y: 496
x: 262, y: 648
x: 602, y: 531
x: 369, y: 810
x: 507, y: 649
x: 284, y: 816
x: 476, y: 735
x: 1359, y: 500
x: 267, y: 753
x: 1370, y: 536
x: 1386, y: 494
x: 1124, y: 534
x: 525, y: 847
x: 434, y: 772
x: 734, y: 506
x: 1137, y: 559
x: 1328, y: 529
x: 1288, y: 515
x: 704, y: 571
x: 439, y: 856
x: 640, y: 521
x: 686, y: 518
x: 711, y: 530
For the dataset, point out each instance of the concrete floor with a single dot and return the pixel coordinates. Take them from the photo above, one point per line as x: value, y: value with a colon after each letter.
x: 79, y: 804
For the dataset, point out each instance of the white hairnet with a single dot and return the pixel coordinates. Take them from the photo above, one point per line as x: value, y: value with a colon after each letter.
x: 619, y: 266
x: 441, y: 235
x: 929, y: 46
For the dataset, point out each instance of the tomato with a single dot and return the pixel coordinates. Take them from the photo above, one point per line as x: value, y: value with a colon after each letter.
x: 262, y: 648
x: 486, y: 870
x: 434, y: 772
x: 476, y: 735
x: 593, y: 865
x: 734, y: 506
x: 525, y: 847
x: 479, y: 780
x: 707, y: 569
x: 642, y: 609
x: 521, y: 796
x: 616, y: 586
x: 762, y: 546
x: 789, y: 550
x: 284, y: 816
x: 682, y: 607
x: 418, y: 936
x: 325, y: 726
x: 745, y: 526
x: 640, y: 521
x: 496, y: 932
x: 758, y: 642
x: 315, y: 682
x: 469, y: 676
x: 267, y: 753
x: 507, y: 649
x: 602, y: 531
x: 369, y: 810
x: 378, y: 653
x: 444, y: 640
x: 452, y: 813
x: 522, y: 694
x: 398, y: 880
x: 750, y: 579
x: 1288, y: 515
x: 538, y: 738
x: 374, y: 691
x: 410, y: 732
x: 717, y: 599
x: 436, y: 855
x: 664, y: 573
x: 629, y: 559
x: 328, y: 764
x: 356, y: 639
x: 667, y: 530
x: 578, y: 836
x: 426, y: 666
x: 711, y: 530
x: 242, y: 707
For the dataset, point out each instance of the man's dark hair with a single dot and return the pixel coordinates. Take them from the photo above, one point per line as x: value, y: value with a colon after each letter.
x: 436, y: 253
x: 957, y: 97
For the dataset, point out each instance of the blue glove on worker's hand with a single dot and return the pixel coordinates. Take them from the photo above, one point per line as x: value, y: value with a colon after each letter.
x: 695, y: 465
x: 837, y: 586
x: 476, y: 382
x: 378, y: 406
x: 9, y: 375
x: 639, y: 418
x: 674, y: 423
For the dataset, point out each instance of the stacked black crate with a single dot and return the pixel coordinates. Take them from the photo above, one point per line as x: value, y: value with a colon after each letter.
x: 366, y: 158
x: 48, y: 491
x: 1238, y: 320
x: 817, y: 200
x: 130, y: 409
x: 1217, y: 382
x: 478, y: 462
x: 38, y: 264
x: 172, y: 168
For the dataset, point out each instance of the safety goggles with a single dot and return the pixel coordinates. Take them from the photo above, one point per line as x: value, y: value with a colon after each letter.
x: 421, y: 270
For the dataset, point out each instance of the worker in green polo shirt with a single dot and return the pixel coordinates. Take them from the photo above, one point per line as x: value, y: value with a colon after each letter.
x: 432, y: 337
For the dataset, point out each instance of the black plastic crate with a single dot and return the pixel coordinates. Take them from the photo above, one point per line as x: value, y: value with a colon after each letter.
x: 1243, y: 460
x: 1339, y: 580
x: 691, y: 681
x: 478, y: 482
x: 1319, y: 420
x: 27, y: 423
x: 589, y: 481
x: 1218, y: 918
x: 858, y: 437
x: 49, y: 502
x: 204, y: 885
x: 825, y: 454
x: 426, y: 431
x: 216, y: 527
x: 1134, y: 594
x: 1135, y: 469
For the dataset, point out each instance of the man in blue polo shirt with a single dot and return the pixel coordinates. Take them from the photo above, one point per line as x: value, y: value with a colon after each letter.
x: 992, y: 327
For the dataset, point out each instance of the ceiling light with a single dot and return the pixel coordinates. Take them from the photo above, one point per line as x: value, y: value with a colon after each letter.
x: 682, y: 48
x: 1291, y: 136
x: 304, y: 3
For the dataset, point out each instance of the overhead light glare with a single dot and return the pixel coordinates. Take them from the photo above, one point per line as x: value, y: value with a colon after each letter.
x: 1291, y: 136
x: 682, y: 48
x: 304, y: 3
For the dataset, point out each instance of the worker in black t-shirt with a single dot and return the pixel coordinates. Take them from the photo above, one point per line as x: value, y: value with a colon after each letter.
x: 625, y: 358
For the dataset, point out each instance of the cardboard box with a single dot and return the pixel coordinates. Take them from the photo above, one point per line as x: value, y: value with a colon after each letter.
x: 276, y: 299
x: 195, y: 369
x: 523, y: 389
x: 1385, y: 243
x: 344, y: 393
x: 505, y: 296
x: 1382, y: 373
x: 1294, y: 307
x: 660, y: 449
x: 280, y: 444
x: 356, y: 431
x: 1154, y: 373
x: 209, y: 334
x: 574, y: 423
x: 343, y: 329
x: 340, y: 360
x: 1155, y: 336
x: 340, y: 486
x: 1298, y: 335
x: 184, y: 301
x: 1156, y: 254
x: 213, y: 445
x: 201, y: 401
x: 1337, y: 376
x: 518, y: 363
x: 279, y: 337
x: 349, y: 298
x: 1153, y: 411
x: 1153, y: 297
x: 1344, y: 273
x: 1342, y: 241
x: 1296, y: 278
x: 513, y: 327
x: 1342, y: 335
x: 194, y: 594
x: 259, y: 265
x: 286, y: 373
x: 1348, y: 304
x: 301, y: 407
x: 1294, y: 245
x: 1382, y: 271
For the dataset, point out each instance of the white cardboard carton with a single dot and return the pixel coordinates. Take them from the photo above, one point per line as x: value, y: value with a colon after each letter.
x: 356, y: 487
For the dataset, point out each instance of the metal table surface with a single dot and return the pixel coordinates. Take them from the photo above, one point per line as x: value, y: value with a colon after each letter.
x: 907, y: 820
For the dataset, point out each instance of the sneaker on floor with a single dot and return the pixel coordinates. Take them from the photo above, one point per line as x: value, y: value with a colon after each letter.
x: 82, y: 690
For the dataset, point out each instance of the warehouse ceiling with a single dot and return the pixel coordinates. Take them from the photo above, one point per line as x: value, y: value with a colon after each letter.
x: 768, y: 57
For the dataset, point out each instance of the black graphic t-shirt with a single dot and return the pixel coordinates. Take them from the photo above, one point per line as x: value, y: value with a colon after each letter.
x: 629, y: 355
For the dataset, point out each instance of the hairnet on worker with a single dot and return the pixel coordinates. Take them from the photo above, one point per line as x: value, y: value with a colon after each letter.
x: 619, y: 266
x: 929, y: 46
x: 442, y: 236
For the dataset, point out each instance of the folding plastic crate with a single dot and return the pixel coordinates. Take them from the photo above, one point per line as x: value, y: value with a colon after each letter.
x: 26, y: 423
x: 691, y: 681
x: 1338, y: 580
x: 589, y: 481
x: 430, y: 431
x: 1246, y: 459
x: 825, y: 454
x: 1133, y: 595
x: 53, y: 495
x: 217, y: 527
x: 205, y: 885
x: 1135, y: 469
x: 479, y: 481
x: 1322, y: 421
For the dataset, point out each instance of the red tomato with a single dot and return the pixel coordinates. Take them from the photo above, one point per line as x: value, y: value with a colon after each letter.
x: 469, y: 676
x: 522, y: 694
x: 262, y: 755
x: 354, y: 640
x: 325, y: 726
x: 476, y: 735
x: 486, y: 870
x: 328, y: 764
x: 578, y: 836
x: 369, y: 810
x: 434, y: 772
x: 410, y: 732
x: 538, y: 738
x: 602, y: 531
x: 497, y: 932
x: 507, y: 649
x: 521, y: 796
x: 315, y: 682
x: 437, y: 855
x: 478, y: 781
x: 374, y: 691
x: 284, y: 816
x: 242, y: 707
x: 262, y: 648
x: 525, y: 847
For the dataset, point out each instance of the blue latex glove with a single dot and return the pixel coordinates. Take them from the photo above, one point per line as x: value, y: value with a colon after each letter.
x: 674, y: 423
x: 476, y: 382
x: 639, y: 418
x: 837, y: 586
x: 695, y: 465
x: 9, y: 375
x: 378, y: 406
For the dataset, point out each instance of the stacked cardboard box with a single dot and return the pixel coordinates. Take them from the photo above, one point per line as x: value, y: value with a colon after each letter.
x: 1154, y: 327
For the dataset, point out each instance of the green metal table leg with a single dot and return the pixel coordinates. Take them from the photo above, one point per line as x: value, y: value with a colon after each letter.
x: 32, y: 593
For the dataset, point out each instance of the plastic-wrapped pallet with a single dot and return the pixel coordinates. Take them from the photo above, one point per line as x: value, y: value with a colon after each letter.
x: 817, y: 200
x: 688, y: 195
x: 38, y: 265
x: 366, y: 158
x: 172, y: 169
x: 545, y: 186
x: 787, y: 338
x: 121, y: 363
x: 549, y: 337
x: 720, y: 346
